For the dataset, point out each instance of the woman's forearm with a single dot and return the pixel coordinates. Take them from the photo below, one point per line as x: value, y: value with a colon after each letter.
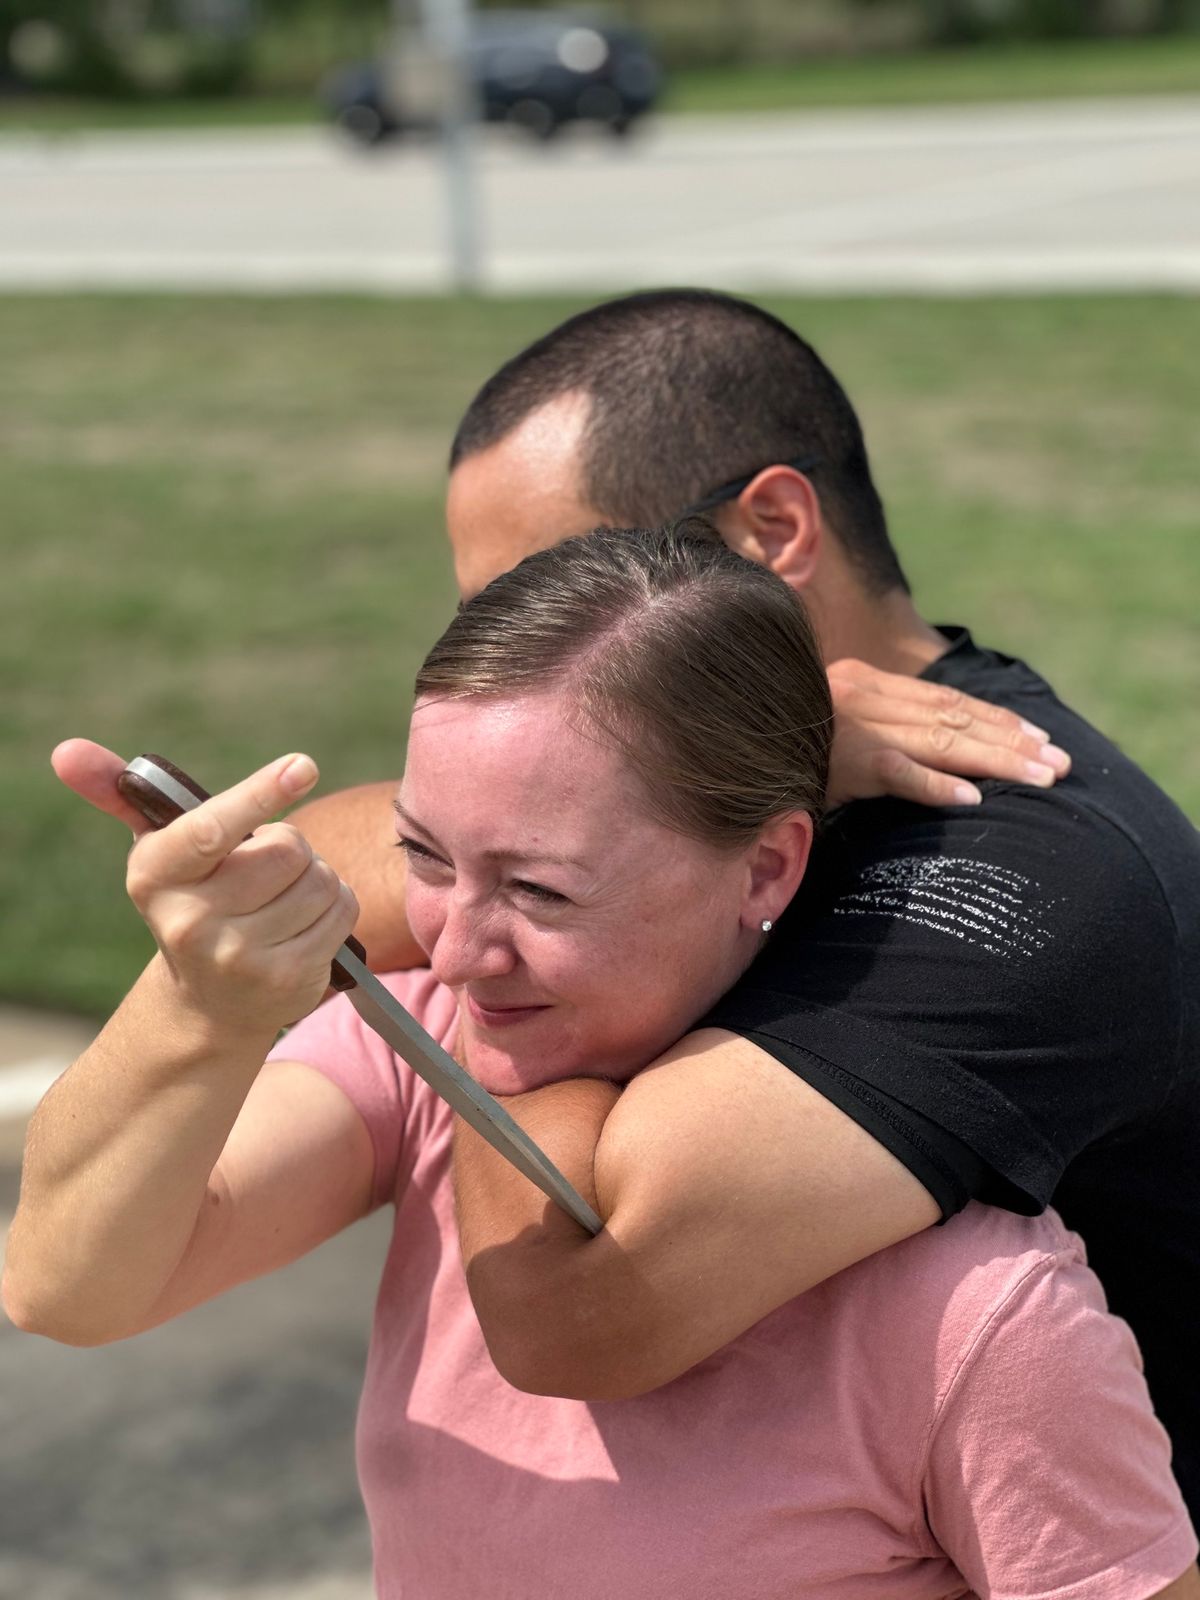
x: 118, y: 1163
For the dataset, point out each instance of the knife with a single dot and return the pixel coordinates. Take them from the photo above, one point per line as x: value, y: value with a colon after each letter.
x: 162, y: 792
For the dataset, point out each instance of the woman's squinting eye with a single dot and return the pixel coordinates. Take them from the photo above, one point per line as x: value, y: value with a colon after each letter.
x: 415, y: 851
x: 539, y: 892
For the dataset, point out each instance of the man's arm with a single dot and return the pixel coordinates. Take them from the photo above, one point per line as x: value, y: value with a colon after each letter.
x: 728, y: 1186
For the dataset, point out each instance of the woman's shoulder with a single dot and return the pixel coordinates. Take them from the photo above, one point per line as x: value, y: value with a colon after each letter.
x: 946, y: 1289
x: 339, y: 1043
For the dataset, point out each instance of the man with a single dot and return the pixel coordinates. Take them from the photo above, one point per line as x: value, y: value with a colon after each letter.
x: 997, y: 1000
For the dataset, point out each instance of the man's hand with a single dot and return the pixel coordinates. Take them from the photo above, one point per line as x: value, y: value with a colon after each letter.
x: 898, y: 735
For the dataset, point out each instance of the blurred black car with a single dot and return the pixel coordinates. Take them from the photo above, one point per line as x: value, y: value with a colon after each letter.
x: 534, y: 69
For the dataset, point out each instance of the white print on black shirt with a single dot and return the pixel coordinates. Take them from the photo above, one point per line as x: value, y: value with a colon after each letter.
x: 972, y: 900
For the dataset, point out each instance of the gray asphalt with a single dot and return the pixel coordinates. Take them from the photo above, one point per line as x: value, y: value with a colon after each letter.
x: 1083, y: 195
x: 211, y: 1459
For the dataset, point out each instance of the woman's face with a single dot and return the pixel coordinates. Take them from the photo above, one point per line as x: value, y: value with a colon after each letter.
x: 580, y: 936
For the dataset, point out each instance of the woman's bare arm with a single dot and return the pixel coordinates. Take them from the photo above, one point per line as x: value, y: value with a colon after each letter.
x: 138, y: 1161
x: 155, y: 1237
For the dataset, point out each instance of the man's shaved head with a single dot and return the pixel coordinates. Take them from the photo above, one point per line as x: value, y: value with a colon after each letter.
x: 685, y: 391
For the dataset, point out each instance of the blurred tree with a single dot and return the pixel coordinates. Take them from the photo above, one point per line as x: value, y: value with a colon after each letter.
x: 128, y: 48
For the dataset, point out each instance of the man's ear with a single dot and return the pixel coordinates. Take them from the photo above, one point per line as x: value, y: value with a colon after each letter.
x: 775, y: 865
x: 776, y: 521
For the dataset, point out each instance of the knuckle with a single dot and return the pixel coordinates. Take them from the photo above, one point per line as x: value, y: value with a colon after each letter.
x: 848, y: 673
x: 204, y: 832
x: 942, y: 739
x: 950, y: 698
x: 184, y: 930
x: 139, y: 883
x: 955, y: 717
x: 284, y: 847
x: 892, y: 766
x: 293, y: 847
x: 847, y: 696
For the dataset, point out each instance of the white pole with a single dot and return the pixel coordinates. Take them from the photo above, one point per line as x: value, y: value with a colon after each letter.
x: 447, y: 29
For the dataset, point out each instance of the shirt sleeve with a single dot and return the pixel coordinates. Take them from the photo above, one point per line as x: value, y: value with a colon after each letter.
x: 988, y: 992
x: 335, y: 1041
x: 1032, y: 1493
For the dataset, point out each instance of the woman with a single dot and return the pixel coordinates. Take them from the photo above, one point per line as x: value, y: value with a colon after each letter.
x: 614, y: 762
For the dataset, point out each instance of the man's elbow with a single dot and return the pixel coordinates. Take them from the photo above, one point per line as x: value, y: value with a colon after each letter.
x: 566, y: 1368
x: 564, y: 1339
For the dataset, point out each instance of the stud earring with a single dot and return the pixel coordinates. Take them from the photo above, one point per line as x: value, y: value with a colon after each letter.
x: 767, y: 925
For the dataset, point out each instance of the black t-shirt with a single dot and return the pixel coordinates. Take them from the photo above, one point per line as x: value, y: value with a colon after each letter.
x: 1008, y: 997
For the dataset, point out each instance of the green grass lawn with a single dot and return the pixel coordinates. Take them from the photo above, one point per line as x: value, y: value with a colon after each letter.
x: 222, y: 537
x: 1067, y: 68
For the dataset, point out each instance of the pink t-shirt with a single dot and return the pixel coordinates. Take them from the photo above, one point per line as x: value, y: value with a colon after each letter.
x: 959, y: 1415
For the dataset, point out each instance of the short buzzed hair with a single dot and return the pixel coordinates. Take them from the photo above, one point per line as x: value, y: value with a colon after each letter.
x: 690, y: 390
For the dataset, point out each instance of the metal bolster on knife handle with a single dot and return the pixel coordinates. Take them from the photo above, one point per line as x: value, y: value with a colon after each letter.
x: 162, y: 792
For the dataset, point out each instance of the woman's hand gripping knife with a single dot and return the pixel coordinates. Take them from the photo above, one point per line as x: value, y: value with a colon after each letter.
x: 127, y: 1201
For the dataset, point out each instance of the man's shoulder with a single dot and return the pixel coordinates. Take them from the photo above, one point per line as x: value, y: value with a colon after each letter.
x: 963, y: 972
x: 1105, y: 828
x: 1103, y: 779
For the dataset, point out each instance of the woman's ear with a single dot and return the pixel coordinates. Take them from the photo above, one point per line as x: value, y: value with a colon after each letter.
x: 775, y: 865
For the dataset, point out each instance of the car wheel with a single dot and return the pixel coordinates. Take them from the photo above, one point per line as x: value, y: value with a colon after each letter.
x: 365, y: 124
x: 535, y: 117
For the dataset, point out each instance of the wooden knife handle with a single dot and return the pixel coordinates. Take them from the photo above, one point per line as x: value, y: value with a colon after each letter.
x: 161, y: 791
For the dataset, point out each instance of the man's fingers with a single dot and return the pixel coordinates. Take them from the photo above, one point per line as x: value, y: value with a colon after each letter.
x: 195, y: 845
x: 906, y: 779
x: 973, y: 756
x: 870, y: 695
x: 939, y: 730
x: 92, y: 772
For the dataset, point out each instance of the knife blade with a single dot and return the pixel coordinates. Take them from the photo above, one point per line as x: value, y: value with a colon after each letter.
x: 161, y: 791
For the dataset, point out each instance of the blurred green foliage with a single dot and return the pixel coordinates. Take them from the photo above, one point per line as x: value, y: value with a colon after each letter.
x: 151, y: 49
x: 222, y: 537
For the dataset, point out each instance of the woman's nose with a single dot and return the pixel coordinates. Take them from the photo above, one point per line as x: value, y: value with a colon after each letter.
x: 472, y: 944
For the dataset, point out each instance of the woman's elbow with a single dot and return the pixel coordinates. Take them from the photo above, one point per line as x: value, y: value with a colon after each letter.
x: 52, y: 1317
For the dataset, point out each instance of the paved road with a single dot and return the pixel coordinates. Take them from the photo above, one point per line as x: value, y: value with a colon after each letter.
x: 1082, y: 194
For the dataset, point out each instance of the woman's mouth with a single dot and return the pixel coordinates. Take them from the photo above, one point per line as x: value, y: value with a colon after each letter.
x: 495, y: 1016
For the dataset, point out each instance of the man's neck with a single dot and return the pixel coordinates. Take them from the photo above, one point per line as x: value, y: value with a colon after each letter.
x: 885, y: 631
